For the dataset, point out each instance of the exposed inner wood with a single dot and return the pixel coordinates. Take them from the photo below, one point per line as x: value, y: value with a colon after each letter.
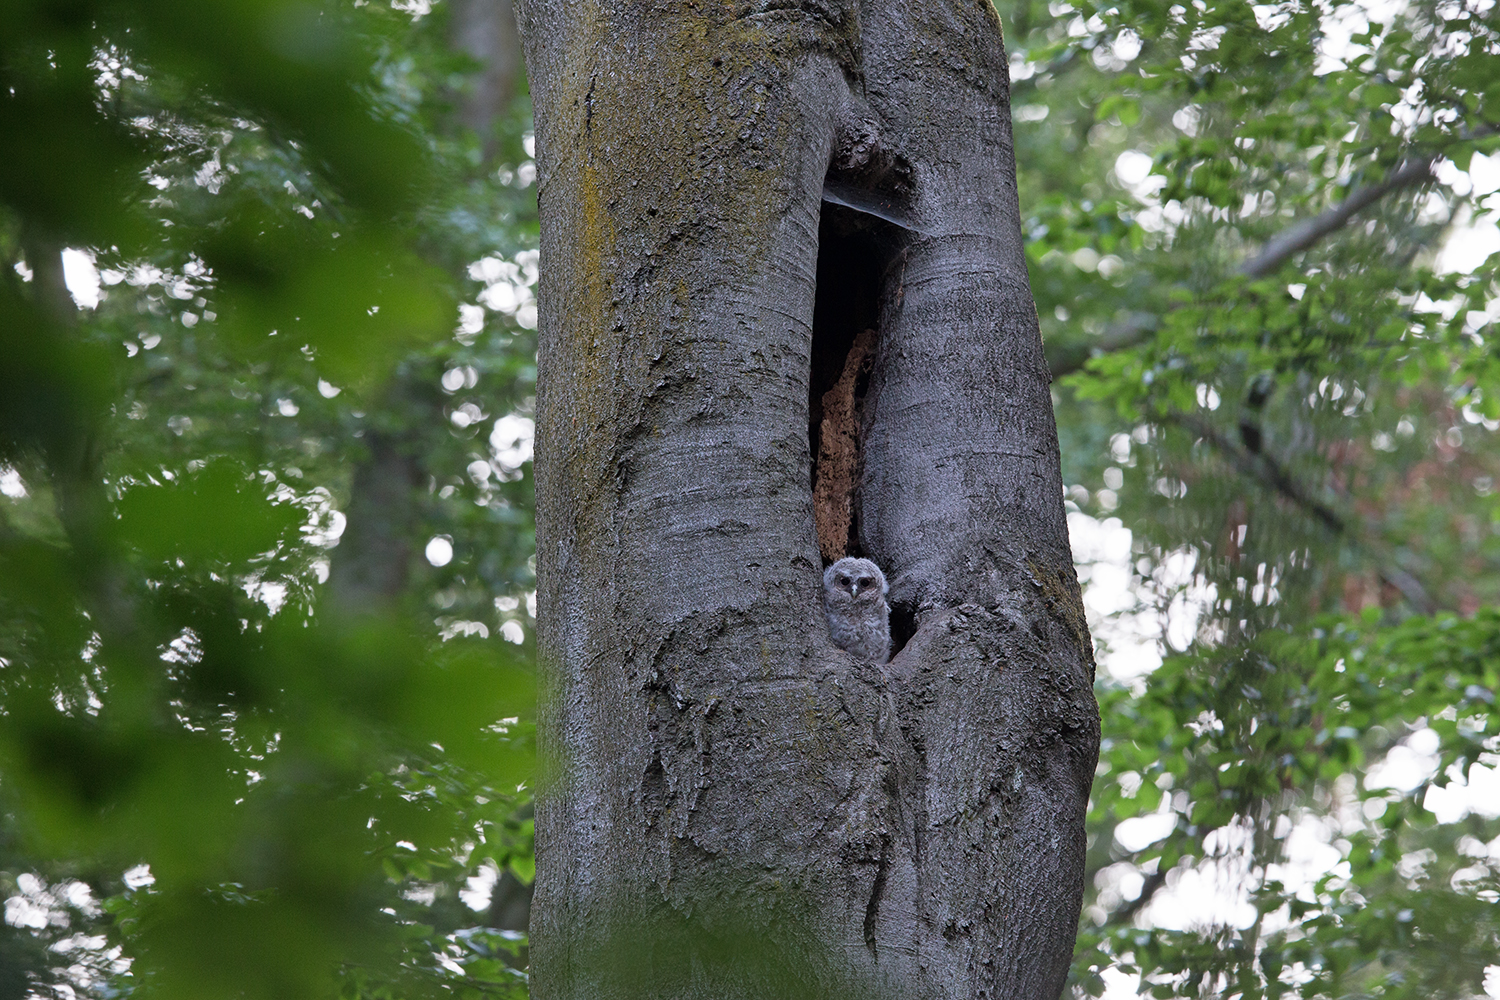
x: 838, y: 452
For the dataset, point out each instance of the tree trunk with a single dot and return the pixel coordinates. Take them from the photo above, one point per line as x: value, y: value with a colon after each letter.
x: 485, y: 30
x: 372, y: 563
x: 731, y: 194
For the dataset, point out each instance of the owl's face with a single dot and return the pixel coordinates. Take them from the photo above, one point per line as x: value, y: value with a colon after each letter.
x: 854, y: 581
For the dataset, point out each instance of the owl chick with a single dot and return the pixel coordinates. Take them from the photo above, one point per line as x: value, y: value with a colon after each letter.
x: 859, y: 620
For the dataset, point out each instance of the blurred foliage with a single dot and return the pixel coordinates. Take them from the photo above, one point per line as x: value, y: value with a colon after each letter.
x: 1298, y: 447
x: 217, y: 778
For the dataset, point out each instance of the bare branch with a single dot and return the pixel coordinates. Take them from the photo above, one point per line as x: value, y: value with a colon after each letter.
x: 1137, y: 329
x: 1412, y: 171
x: 1259, y: 465
x: 1149, y: 888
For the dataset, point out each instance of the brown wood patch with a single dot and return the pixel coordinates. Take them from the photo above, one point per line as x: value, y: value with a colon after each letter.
x: 839, y: 438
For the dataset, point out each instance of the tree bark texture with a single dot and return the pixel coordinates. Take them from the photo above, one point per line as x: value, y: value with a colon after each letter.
x: 732, y: 193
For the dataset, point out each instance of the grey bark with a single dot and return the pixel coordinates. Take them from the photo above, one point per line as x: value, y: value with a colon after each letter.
x: 734, y: 807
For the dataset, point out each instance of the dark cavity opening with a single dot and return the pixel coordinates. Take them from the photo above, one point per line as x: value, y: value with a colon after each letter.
x: 903, y: 626
x: 855, y: 249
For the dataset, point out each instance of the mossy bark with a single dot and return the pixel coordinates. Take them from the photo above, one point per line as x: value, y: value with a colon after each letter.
x: 730, y: 193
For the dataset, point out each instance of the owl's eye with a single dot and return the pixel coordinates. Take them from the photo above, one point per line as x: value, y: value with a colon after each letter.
x: 866, y: 582
x: 843, y: 581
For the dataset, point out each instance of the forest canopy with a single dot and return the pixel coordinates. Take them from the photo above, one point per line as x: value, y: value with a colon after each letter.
x: 267, y: 368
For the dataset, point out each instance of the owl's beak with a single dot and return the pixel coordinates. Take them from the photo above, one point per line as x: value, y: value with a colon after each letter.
x: 854, y: 590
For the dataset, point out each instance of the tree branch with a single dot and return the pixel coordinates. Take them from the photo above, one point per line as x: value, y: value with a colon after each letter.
x: 1264, y: 467
x: 1259, y: 465
x: 1299, y: 236
x: 1120, y: 336
x: 1412, y: 171
x: 1149, y: 888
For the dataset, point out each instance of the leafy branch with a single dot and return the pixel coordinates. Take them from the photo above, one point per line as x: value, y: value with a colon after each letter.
x: 1413, y: 171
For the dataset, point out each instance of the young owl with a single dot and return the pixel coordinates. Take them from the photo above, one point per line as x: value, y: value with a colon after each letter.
x: 859, y: 620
